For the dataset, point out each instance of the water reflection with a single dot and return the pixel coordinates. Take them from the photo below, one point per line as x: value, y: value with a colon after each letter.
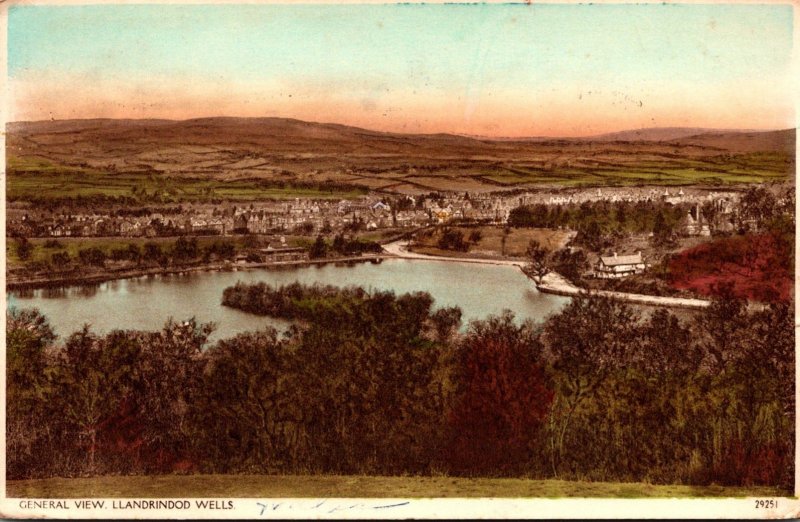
x: 25, y: 293
x: 54, y: 292
x: 147, y: 302
x: 87, y: 290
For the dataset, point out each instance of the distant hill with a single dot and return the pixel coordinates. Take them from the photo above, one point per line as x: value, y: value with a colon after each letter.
x: 742, y: 141
x: 293, y: 150
x: 656, y: 134
x: 222, y: 129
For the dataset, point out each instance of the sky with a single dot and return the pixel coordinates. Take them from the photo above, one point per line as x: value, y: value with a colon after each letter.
x: 481, y: 69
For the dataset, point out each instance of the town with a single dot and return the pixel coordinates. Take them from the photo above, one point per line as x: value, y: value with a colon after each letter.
x: 371, y: 212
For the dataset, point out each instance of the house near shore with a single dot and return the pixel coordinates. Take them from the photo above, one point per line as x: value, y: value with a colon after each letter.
x: 281, y: 252
x: 614, y: 266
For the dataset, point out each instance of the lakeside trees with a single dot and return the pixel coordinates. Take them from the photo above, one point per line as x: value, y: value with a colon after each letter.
x: 597, y: 221
x: 375, y: 383
x: 113, y: 255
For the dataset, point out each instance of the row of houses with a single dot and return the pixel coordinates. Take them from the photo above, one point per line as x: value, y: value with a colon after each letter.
x: 371, y: 212
x: 675, y: 196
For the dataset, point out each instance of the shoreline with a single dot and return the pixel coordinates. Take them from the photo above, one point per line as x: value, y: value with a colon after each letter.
x: 103, y: 277
x: 555, y: 284
x: 552, y: 283
x: 399, y: 249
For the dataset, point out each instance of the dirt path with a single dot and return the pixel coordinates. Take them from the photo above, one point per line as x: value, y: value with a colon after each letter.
x: 553, y: 283
x: 399, y: 249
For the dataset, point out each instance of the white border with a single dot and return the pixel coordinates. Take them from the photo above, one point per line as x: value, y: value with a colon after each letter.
x: 286, y: 508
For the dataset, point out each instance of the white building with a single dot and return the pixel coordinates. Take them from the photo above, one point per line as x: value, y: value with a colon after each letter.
x: 612, y: 267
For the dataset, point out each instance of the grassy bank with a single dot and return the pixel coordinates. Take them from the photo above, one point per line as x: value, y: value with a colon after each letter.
x: 269, y: 486
x: 40, y: 180
x: 490, y: 241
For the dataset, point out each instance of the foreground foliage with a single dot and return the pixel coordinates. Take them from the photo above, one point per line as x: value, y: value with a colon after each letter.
x: 367, y: 382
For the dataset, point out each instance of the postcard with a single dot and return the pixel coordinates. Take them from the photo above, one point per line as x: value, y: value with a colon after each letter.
x: 399, y: 260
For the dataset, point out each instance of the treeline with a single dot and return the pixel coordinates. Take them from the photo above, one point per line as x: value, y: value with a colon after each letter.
x: 374, y: 383
x: 183, y: 251
x: 291, y: 301
x: 342, y: 245
x: 598, y: 222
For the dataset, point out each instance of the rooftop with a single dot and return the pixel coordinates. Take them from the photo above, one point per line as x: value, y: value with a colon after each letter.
x: 616, y: 260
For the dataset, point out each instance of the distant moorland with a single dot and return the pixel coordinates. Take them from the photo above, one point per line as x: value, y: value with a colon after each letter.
x: 251, y: 158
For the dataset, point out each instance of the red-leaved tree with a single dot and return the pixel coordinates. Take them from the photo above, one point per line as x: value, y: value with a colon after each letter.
x: 500, y: 401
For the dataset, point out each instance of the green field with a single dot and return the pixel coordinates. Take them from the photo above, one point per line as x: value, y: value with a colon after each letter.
x: 271, y: 486
x: 746, y: 168
x: 38, y: 179
x: 35, y: 178
x: 491, y: 242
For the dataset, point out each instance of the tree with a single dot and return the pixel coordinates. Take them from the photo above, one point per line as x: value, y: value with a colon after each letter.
x: 591, y: 235
x: 663, y: 234
x: 92, y: 256
x: 748, y: 378
x: 305, y: 228
x: 318, y: 249
x: 24, y: 248
x: 28, y: 391
x: 585, y: 342
x: 169, y: 371
x: 445, y: 322
x: 504, y: 239
x: 223, y: 249
x: 185, y: 249
x: 452, y: 239
x: 94, y: 376
x: 720, y: 327
x: 153, y: 253
x: 757, y: 206
x: 326, y: 227
x: 371, y: 403
x: 244, y: 416
x: 134, y: 252
x: 538, y: 264
x: 570, y: 263
x: 710, y: 211
x: 60, y: 260
x: 501, y: 398
x: 620, y: 214
x: 339, y: 244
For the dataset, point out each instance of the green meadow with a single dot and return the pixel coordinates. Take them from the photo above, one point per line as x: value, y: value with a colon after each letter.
x: 358, y: 486
x: 39, y: 180
x: 751, y: 169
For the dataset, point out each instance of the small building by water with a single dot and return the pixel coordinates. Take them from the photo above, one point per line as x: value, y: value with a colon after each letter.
x: 614, y: 266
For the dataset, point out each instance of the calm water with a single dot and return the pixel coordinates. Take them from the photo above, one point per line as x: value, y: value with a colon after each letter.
x: 146, y: 303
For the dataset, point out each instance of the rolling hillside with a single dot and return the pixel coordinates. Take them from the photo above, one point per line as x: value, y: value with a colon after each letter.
x: 295, y: 151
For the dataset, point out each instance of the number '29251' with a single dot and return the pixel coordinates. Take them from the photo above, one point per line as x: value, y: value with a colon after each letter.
x: 770, y: 503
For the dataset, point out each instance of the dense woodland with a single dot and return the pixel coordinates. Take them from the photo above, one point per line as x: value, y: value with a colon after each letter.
x: 368, y: 382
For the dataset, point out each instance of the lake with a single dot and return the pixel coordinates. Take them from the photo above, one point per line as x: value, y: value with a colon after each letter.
x: 146, y: 303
